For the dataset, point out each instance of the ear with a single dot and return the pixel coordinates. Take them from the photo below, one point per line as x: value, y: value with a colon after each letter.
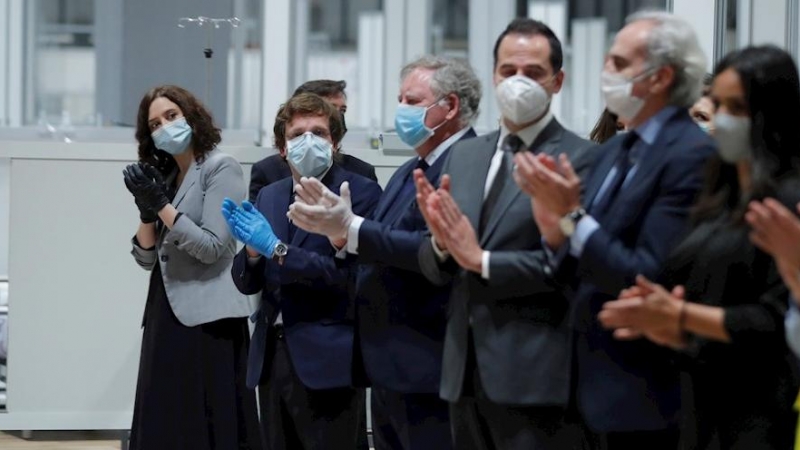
x: 558, y: 81
x: 663, y: 79
x: 282, y: 152
x: 455, y: 106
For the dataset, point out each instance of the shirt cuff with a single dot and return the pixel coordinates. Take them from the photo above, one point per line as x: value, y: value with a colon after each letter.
x: 252, y: 261
x: 792, y: 325
x: 583, y: 231
x: 352, y: 235
x: 441, y: 255
x: 555, y: 257
x: 485, y: 265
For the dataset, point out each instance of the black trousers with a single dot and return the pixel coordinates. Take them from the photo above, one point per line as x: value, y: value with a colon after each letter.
x: 480, y: 424
x: 409, y: 421
x: 634, y: 440
x: 294, y: 417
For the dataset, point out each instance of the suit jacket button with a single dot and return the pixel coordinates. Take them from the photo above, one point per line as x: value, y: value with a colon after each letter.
x: 164, y: 258
x: 175, y: 242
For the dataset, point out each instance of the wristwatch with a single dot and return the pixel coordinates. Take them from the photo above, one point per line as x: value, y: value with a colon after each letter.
x: 569, y: 222
x: 280, y: 251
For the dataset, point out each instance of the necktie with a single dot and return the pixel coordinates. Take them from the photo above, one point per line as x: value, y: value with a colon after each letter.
x: 622, y: 164
x: 511, y: 144
x: 409, y: 188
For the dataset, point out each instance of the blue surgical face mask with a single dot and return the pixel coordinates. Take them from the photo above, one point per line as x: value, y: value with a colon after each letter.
x: 309, y: 154
x: 174, y: 137
x: 409, y: 122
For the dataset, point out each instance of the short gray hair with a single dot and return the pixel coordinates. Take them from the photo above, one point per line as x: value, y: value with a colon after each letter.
x: 673, y: 42
x: 451, y: 76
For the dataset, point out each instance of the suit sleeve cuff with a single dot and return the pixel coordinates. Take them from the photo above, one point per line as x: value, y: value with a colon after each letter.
x: 253, y: 260
x: 441, y: 255
x: 352, y: 235
x: 485, y: 264
x: 583, y: 231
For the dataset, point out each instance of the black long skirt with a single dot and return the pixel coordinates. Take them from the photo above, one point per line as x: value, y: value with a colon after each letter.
x: 191, y: 391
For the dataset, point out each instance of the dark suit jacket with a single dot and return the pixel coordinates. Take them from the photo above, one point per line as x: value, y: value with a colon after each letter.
x: 518, y: 316
x: 626, y: 386
x: 274, y: 168
x: 310, y: 289
x: 401, y: 314
x: 754, y: 377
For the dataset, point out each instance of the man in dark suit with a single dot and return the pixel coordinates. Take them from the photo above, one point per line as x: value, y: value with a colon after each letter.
x: 301, y: 354
x: 402, y: 315
x: 634, y: 211
x: 506, y: 347
x: 274, y: 167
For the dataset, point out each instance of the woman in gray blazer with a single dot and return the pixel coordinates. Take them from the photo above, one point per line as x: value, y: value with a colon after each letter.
x: 191, y: 391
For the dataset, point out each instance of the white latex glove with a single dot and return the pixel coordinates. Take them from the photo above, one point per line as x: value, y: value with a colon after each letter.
x: 331, y: 218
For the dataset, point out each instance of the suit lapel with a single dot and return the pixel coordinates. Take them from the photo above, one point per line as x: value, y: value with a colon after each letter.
x: 473, y: 199
x: 600, y: 172
x: 393, y: 189
x: 280, y: 205
x: 192, y: 176
x: 546, y: 142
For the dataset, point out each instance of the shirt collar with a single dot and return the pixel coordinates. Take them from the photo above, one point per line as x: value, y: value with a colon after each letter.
x: 529, y: 133
x: 437, y: 152
x: 650, y: 129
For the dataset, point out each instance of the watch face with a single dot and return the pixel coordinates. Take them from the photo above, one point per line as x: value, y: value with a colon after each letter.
x: 567, y: 225
x: 281, y: 249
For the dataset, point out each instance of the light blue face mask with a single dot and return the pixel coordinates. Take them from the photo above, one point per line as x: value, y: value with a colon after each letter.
x: 173, y: 137
x: 409, y: 122
x: 309, y: 154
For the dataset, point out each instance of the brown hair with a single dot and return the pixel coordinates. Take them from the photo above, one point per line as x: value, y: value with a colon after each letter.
x: 605, y: 128
x: 307, y: 104
x: 205, y: 134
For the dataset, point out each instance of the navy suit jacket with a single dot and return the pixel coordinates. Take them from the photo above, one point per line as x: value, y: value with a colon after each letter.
x: 401, y: 315
x: 274, y: 168
x: 627, y: 386
x: 310, y: 289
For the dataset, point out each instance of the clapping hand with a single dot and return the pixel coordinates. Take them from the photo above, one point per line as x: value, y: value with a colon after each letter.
x: 318, y: 210
x: 249, y: 226
x: 148, y: 188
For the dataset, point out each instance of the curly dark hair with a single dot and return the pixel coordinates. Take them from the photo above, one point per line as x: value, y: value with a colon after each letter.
x: 205, y: 134
x: 307, y: 104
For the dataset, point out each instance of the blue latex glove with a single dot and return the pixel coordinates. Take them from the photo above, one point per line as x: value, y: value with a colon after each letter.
x: 254, y: 229
x: 229, y: 208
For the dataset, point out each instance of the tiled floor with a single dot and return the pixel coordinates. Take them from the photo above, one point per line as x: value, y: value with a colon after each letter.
x: 61, y: 440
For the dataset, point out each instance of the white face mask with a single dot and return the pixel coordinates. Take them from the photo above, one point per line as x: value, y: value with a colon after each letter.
x: 733, y: 137
x: 310, y: 154
x: 618, y: 93
x: 521, y: 99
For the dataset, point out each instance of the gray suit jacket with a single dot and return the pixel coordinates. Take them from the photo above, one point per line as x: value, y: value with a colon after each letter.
x: 518, y: 317
x: 197, y: 253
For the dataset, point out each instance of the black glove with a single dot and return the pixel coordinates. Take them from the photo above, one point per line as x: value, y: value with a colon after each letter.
x: 146, y: 215
x: 148, y: 187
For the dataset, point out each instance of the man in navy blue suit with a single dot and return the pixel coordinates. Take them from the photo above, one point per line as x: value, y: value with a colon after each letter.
x: 636, y: 207
x: 301, y: 354
x: 275, y: 167
x: 401, y: 315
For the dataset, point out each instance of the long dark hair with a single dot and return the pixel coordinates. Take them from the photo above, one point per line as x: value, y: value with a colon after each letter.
x: 605, y: 128
x: 205, y: 134
x: 772, y: 91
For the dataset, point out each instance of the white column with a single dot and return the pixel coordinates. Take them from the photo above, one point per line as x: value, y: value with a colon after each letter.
x: 407, y: 36
x: 700, y: 15
x: 300, y: 43
x: 554, y: 14
x: 4, y: 16
x: 370, y: 71
x: 15, y: 69
x: 768, y: 23
x: 588, y: 53
x: 487, y: 19
x: 276, y: 63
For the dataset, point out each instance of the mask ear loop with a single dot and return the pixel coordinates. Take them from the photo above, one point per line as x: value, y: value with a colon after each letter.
x: 438, y: 103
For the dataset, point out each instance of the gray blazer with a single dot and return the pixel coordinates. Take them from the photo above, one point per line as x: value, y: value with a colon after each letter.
x: 196, y: 255
x: 518, y: 317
